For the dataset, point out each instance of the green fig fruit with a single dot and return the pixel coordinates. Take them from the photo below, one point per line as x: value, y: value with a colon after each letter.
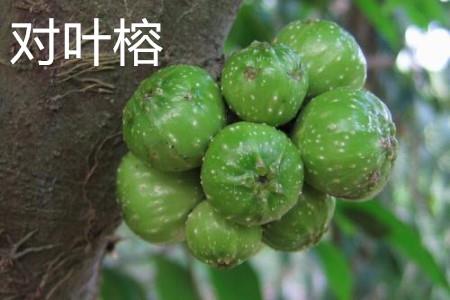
x: 155, y: 205
x: 172, y: 116
x: 252, y: 173
x: 331, y: 56
x: 348, y: 145
x: 304, y: 225
x: 218, y: 242
x: 264, y: 83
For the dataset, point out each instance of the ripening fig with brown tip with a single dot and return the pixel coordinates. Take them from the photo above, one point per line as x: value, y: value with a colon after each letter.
x: 347, y: 142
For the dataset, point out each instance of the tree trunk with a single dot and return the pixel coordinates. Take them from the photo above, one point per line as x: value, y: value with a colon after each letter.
x: 60, y: 136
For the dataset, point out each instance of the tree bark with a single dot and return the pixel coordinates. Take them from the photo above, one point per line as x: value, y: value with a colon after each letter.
x: 60, y: 139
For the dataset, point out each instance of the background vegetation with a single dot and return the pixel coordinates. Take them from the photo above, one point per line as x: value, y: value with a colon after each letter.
x: 395, y: 247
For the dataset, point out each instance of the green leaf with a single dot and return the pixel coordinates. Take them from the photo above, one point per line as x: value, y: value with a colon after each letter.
x: 383, y: 16
x: 117, y: 285
x: 173, y: 281
x: 336, y: 269
x: 252, y: 22
x: 241, y: 282
x: 344, y: 224
x: 383, y: 21
x: 420, y: 12
x: 381, y: 223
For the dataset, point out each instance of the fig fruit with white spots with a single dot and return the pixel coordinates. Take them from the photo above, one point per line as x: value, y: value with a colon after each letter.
x: 258, y: 185
x: 252, y: 173
x: 218, y: 242
x: 347, y: 141
x: 154, y: 204
x: 264, y: 83
x: 331, y: 56
x: 172, y: 116
x: 304, y: 225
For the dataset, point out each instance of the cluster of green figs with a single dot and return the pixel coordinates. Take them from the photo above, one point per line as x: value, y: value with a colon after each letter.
x: 260, y: 158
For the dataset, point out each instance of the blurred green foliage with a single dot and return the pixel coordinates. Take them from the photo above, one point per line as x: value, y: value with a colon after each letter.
x: 252, y: 23
x: 394, y: 247
x: 382, y: 19
x: 169, y: 275
x: 117, y: 285
x: 380, y: 223
x: 241, y: 282
x: 336, y: 269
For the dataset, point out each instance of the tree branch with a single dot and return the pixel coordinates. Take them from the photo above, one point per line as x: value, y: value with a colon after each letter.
x: 49, y: 127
